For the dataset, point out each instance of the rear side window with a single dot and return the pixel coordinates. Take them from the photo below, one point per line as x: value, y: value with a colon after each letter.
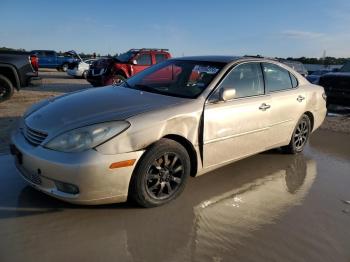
x: 144, y: 59
x: 247, y: 79
x: 160, y: 58
x: 276, y: 77
x: 294, y: 80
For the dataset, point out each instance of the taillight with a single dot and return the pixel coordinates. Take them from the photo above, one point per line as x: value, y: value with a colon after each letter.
x: 34, y: 61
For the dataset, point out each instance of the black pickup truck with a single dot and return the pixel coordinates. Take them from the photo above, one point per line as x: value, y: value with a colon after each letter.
x: 17, y: 70
x: 337, y: 86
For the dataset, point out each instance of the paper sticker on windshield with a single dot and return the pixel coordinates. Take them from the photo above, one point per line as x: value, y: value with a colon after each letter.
x: 206, y: 69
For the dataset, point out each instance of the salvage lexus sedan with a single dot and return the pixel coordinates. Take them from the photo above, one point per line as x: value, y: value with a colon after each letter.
x: 144, y: 138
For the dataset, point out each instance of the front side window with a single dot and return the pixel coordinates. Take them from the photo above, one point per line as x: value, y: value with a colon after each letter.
x: 144, y: 59
x: 180, y: 78
x: 276, y: 77
x: 247, y: 79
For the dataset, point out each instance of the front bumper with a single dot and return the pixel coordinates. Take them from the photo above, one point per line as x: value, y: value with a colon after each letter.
x: 89, y: 171
x: 75, y: 72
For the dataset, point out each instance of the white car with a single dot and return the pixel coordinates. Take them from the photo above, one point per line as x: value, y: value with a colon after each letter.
x: 79, y: 69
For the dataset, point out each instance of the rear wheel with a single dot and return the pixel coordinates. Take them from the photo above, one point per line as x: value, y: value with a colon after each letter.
x: 6, y: 88
x: 161, y: 174
x: 299, y: 137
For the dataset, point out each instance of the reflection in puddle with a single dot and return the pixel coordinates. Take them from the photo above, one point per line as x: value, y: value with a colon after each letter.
x: 226, y: 221
x: 216, y: 216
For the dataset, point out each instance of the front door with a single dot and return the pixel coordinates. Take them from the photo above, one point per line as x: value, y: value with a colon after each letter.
x: 239, y: 127
x: 144, y: 60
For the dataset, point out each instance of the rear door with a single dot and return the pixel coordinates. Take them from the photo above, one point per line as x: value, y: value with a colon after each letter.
x: 288, y: 102
x: 238, y: 127
x: 160, y: 57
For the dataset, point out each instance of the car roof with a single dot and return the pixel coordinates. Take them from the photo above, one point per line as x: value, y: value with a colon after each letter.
x: 210, y: 58
x: 224, y: 59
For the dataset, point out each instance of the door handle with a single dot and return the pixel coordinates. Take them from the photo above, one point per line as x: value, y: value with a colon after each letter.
x: 300, y: 98
x: 264, y: 106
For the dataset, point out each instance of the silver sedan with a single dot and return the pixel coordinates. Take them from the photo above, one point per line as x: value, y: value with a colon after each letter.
x: 184, y: 117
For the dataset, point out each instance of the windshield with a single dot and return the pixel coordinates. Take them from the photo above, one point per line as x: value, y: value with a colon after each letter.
x: 125, y: 57
x: 345, y: 68
x: 180, y: 78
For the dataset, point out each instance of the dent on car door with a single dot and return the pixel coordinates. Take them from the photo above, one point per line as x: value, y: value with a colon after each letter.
x: 287, y: 102
x: 238, y: 127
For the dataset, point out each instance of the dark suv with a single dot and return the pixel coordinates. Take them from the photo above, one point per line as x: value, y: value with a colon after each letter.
x: 337, y: 86
x: 113, y: 70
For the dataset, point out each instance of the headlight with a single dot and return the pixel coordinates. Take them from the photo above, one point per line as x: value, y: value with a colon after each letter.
x: 87, y: 137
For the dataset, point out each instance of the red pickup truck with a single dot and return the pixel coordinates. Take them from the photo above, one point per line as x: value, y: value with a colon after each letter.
x: 114, y: 70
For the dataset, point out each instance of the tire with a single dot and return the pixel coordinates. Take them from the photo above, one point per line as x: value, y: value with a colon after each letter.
x: 161, y: 174
x: 299, y: 137
x: 84, y: 75
x: 6, y: 89
x: 116, y: 80
x: 64, y: 67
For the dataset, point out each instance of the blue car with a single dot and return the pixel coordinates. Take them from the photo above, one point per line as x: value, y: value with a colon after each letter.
x: 50, y: 59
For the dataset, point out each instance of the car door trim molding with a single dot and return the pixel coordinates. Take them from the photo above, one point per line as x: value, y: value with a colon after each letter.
x: 235, y: 135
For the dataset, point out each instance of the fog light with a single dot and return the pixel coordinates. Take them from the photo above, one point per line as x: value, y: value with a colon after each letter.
x: 66, y: 188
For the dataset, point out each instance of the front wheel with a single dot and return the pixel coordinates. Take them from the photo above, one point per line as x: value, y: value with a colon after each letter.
x: 116, y: 80
x: 299, y: 137
x: 64, y: 67
x: 161, y: 174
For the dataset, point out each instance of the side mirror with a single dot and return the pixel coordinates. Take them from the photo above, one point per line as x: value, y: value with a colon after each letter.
x: 227, y: 94
x: 134, y: 62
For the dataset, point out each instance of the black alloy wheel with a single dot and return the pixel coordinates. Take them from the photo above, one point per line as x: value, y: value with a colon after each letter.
x: 164, y: 176
x: 299, y: 137
x: 161, y: 174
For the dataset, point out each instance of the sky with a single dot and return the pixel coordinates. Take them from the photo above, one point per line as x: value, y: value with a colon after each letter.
x: 273, y: 28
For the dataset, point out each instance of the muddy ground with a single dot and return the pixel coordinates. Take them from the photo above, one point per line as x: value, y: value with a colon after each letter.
x: 269, y: 207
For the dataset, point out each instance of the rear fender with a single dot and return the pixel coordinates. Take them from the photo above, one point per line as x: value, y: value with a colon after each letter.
x: 11, y: 73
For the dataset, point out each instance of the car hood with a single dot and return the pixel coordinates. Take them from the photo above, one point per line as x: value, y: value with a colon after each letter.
x: 95, y: 106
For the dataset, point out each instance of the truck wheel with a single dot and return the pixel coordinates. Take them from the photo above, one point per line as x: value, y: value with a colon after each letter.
x: 6, y: 88
x: 116, y: 80
x: 64, y: 67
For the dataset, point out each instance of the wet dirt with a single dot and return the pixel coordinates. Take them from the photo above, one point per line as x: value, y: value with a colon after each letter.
x: 269, y: 207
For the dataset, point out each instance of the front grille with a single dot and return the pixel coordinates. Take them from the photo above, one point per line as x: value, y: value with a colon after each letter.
x: 34, y: 137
